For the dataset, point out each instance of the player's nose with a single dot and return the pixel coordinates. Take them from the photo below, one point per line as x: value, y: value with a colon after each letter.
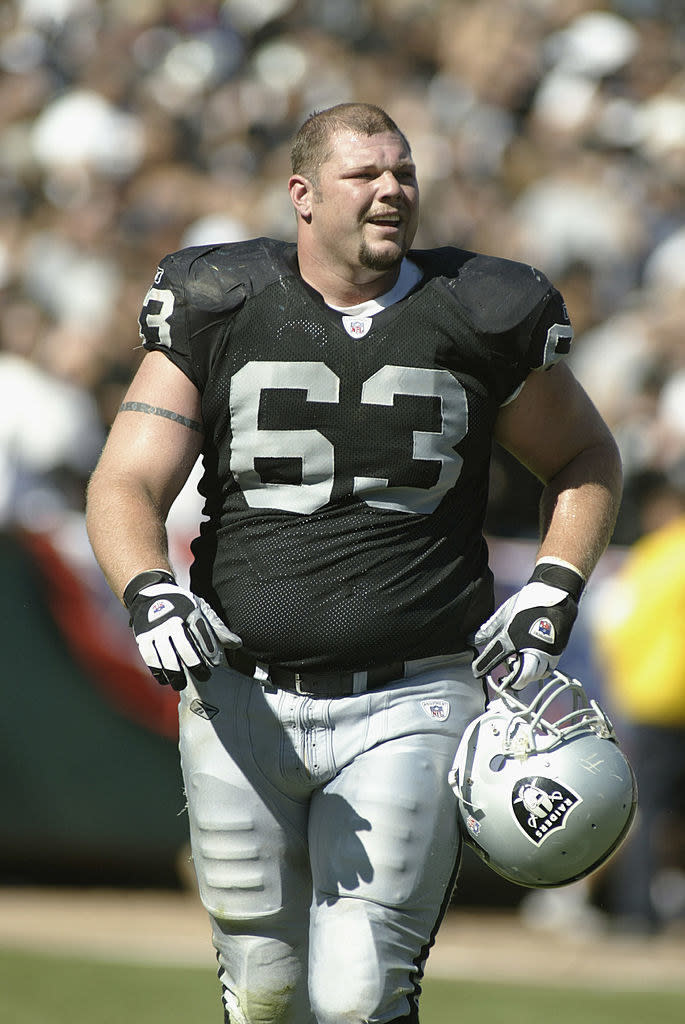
x: 388, y: 185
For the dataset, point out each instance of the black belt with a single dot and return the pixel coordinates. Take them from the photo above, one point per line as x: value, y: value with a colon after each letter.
x: 324, y: 683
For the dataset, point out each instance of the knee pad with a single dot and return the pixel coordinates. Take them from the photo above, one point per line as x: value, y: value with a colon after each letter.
x: 353, y: 1010
x: 263, y: 982
x: 253, y: 1006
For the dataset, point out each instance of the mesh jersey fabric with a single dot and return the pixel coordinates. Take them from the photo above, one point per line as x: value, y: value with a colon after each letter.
x: 346, y: 478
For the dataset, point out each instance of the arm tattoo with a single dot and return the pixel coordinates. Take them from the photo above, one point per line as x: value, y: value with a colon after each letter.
x: 155, y: 410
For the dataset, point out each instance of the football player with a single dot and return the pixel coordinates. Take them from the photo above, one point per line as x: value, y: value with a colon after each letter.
x: 344, y: 392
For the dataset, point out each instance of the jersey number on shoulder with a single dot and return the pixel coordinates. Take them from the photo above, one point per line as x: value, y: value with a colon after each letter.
x: 316, y: 453
x: 156, y: 314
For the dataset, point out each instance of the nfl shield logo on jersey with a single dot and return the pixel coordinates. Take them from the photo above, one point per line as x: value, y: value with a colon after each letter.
x: 357, y: 326
x: 438, y: 709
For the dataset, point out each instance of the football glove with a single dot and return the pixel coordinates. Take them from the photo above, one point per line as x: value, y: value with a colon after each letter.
x: 175, y: 630
x: 529, y: 632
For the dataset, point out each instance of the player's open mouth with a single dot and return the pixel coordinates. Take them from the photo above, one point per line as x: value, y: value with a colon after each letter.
x: 385, y: 222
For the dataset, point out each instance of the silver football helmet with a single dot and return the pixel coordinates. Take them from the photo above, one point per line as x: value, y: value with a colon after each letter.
x: 545, y: 793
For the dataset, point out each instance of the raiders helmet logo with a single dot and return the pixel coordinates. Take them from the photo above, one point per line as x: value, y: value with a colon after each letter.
x: 541, y: 806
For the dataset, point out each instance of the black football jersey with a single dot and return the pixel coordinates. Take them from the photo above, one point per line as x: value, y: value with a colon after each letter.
x: 346, y: 478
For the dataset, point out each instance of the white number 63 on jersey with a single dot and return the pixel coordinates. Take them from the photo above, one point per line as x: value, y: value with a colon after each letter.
x: 316, y: 452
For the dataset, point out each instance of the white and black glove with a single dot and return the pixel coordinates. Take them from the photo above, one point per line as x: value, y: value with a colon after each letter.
x: 529, y: 632
x: 174, y: 629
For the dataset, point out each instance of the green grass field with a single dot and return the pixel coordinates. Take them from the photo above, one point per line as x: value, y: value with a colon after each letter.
x: 56, y: 990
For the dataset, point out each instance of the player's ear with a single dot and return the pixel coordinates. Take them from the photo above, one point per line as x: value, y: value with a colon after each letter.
x: 302, y: 195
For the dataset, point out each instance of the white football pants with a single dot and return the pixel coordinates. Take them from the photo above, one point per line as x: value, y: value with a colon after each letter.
x: 324, y: 838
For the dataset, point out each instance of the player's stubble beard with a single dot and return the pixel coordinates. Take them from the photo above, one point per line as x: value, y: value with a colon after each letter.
x: 382, y: 262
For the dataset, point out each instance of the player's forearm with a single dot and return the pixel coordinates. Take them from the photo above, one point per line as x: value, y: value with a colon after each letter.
x: 579, y: 506
x: 126, y: 530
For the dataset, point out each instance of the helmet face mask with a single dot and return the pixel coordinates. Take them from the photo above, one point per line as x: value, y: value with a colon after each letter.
x: 545, y: 793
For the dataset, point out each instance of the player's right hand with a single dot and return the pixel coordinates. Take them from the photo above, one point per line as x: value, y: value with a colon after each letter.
x: 174, y: 629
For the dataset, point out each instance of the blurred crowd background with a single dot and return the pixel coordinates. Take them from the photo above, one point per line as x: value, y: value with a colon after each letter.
x: 546, y: 131
x: 549, y: 131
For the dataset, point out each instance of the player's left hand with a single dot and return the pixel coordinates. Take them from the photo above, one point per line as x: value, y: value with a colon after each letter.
x: 529, y: 632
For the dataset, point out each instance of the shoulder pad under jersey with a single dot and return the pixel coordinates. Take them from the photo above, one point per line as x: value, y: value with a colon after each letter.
x: 221, y: 277
x: 499, y: 294
x: 196, y: 289
x: 513, y: 304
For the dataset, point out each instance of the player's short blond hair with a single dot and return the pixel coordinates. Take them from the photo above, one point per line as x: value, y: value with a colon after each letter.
x: 312, y: 144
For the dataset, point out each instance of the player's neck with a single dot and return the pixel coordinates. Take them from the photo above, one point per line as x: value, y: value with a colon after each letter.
x: 340, y: 288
